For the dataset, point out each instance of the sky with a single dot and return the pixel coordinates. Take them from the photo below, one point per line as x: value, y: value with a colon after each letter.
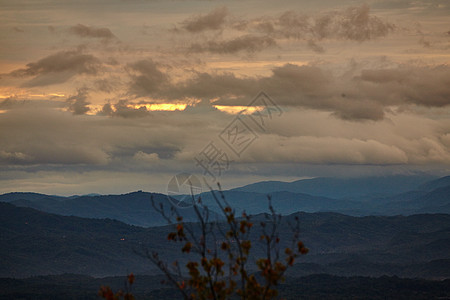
x: 113, y: 96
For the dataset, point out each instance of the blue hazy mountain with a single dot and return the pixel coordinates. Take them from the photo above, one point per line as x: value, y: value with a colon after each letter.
x: 136, y: 209
x: 435, y: 184
x: 9, y: 197
x: 132, y: 208
x: 283, y: 202
x: 343, y: 187
x: 362, y: 196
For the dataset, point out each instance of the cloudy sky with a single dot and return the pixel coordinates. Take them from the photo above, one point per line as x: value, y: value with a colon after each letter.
x: 111, y: 96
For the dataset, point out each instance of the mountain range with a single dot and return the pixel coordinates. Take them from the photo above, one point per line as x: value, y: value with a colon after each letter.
x: 38, y: 243
x: 393, y: 226
x: 134, y: 208
x: 356, y: 197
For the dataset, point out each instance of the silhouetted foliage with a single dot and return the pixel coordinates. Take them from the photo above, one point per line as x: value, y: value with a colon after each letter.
x: 221, y: 264
x: 126, y: 294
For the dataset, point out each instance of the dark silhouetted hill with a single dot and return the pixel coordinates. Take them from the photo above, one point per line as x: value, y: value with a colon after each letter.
x: 319, y: 286
x: 37, y: 243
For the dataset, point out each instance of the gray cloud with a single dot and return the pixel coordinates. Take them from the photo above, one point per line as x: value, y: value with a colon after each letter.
x: 104, y: 85
x: 14, y: 158
x: 78, y: 104
x: 365, y: 95
x: 370, y: 149
x: 416, y: 6
x: 91, y: 32
x: 375, y: 116
x: 426, y: 86
x: 315, y: 47
x: 149, y: 78
x: 246, y: 43
x: 45, y: 136
x: 328, y: 150
x: 208, y: 86
x: 60, y: 62
x: 121, y: 109
x: 213, y: 20
x: 15, y: 104
x: 47, y: 139
x: 359, y: 97
x: 354, y: 24
x: 58, y: 68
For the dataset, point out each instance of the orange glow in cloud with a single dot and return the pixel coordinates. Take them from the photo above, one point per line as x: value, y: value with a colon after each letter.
x: 161, y: 106
x: 46, y: 95
x: 24, y: 95
x: 94, y: 109
x: 246, y: 110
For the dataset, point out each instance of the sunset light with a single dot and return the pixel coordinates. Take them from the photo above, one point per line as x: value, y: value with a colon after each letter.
x: 245, y: 110
x: 190, y: 138
x: 160, y: 106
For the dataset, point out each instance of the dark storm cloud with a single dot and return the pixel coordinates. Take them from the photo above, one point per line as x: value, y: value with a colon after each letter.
x: 247, y: 43
x: 59, y: 62
x: 426, y: 86
x: 105, y: 85
x: 313, y: 87
x: 415, y: 6
x: 12, y: 104
x: 354, y: 24
x: 122, y: 109
x: 213, y: 20
x: 91, y: 32
x: 147, y: 78
x: 290, y: 85
x: 215, y: 85
x: 78, y: 103
x: 58, y: 68
x: 362, y: 96
x: 315, y: 47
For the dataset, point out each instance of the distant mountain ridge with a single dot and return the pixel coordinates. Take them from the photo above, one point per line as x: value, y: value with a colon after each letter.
x: 286, y: 197
x: 29, y: 196
x: 435, y: 184
x: 344, y: 187
x: 135, y: 208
